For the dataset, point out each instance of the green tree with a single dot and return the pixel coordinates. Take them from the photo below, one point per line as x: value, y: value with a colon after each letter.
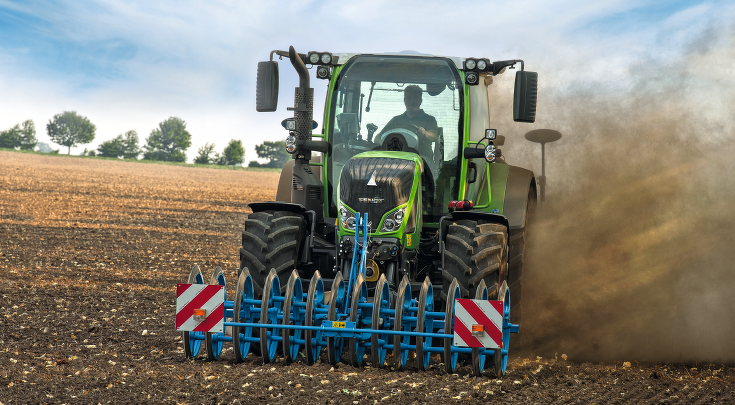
x: 21, y: 136
x: 130, y: 148
x: 205, y: 154
x: 124, y: 145
x: 112, y: 148
x: 233, y: 154
x: 70, y: 129
x: 28, y: 139
x: 10, y: 138
x: 275, y: 152
x: 168, y: 142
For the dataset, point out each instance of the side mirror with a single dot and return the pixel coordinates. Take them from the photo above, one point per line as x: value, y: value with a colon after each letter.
x: 524, y: 97
x: 266, y: 91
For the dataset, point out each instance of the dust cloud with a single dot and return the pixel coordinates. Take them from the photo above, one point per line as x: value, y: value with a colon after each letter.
x: 632, y: 255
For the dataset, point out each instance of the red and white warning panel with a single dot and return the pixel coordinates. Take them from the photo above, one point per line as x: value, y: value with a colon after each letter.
x: 200, y: 308
x: 478, y: 323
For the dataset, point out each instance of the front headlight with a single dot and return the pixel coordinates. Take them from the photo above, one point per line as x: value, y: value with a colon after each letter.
x: 347, y: 218
x: 322, y: 72
x: 490, y: 153
x: 472, y: 78
x: 290, y: 144
x: 394, y: 220
x: 313, y: 58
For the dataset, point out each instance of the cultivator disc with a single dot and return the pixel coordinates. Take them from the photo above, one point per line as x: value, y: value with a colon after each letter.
x: 243, y: 312
x: 213, y: 342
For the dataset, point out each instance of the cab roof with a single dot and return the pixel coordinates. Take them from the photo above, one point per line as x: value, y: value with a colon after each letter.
x: 345, y: 57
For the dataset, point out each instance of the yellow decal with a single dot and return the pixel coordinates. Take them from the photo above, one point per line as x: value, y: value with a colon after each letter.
x: 339, y: 325
x: 408, y: 240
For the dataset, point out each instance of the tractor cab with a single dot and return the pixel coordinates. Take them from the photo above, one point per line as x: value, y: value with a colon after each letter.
x: 398, y: 103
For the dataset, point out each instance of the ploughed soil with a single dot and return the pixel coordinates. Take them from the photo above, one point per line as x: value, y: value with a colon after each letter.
x: 90, y: 254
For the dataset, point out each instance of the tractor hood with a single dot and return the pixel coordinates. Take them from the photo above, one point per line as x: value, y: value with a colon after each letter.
x: 379, y: 183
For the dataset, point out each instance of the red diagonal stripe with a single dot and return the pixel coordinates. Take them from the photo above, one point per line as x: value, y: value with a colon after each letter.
x: 498, y: 305
x: 466, y: 335
x: 181, y: 288
x: 212, y: 319
x: 198, y: 301
x: 479, y: 316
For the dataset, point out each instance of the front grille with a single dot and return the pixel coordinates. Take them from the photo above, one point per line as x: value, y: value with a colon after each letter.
x: 393, y: 184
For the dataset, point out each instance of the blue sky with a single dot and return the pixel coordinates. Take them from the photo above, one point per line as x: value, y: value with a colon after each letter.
x: 132, y: 64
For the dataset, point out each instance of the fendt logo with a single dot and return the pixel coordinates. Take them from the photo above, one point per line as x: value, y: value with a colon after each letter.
x: 372, y: 182
x: 374, y: 200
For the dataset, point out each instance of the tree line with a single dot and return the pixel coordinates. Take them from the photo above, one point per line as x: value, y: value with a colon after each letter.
x: 168, y: 142
x: 21, y: 136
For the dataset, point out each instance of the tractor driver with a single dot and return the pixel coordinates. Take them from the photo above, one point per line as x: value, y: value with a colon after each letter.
x: 414, y: 115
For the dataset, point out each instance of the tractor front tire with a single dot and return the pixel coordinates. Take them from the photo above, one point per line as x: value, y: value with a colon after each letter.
x: 473, y: 252
x: 271, y: 240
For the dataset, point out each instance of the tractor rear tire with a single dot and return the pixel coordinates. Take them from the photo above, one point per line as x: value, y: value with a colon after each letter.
x: 473, y: 252
x: 516, y: 257
x: 271, y: 240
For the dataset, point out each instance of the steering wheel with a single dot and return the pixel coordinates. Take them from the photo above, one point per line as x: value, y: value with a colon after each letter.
x: 344, y: 151
x: 400, y: 137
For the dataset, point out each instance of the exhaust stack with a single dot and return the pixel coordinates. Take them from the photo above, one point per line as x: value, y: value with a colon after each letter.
x: 307, y: 189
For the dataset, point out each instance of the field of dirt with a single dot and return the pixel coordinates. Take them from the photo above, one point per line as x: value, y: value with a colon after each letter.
x: 90, y: 254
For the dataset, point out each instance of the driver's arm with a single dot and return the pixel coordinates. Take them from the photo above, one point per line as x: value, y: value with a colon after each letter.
x: 431, y: 135
x: 431, y: 132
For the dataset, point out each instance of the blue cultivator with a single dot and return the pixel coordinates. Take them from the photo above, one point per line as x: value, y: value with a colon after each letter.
x: 335, y: 320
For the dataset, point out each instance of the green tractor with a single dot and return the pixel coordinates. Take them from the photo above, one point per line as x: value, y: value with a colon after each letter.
x: 407, y: 140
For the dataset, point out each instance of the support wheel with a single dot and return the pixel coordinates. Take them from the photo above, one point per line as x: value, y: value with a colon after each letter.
x: 381, y: 302
x: 478, y: 355
x: 243, y: 313
x: 337, y: 300
x: 214, y: 344
x: 501, y: 355
x: 359, y: 316
x: 401, y: 342
x: 193, y: 340
x: 424, y: 324
x: 292, y: 315
x: 314, y: 300
x: 450, y: 356
x: 270, y: 309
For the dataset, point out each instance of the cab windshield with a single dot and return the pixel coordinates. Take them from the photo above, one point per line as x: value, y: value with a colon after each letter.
x: 416, y: 97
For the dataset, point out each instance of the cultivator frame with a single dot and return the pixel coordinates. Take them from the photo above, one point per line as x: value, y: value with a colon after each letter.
x: 335, y: 320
